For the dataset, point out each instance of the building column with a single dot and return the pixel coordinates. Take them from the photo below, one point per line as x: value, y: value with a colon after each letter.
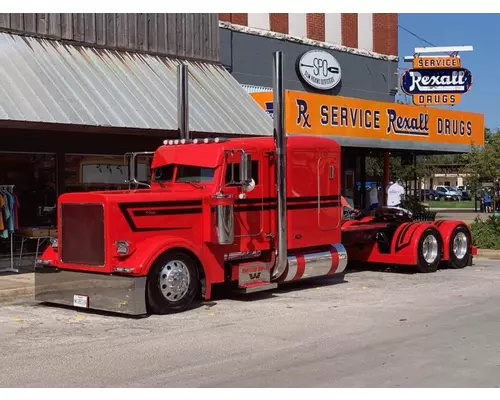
x: 387, y: 173
x: 362, y: 178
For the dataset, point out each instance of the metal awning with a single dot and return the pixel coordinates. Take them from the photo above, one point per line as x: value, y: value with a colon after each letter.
x: 53, y: 82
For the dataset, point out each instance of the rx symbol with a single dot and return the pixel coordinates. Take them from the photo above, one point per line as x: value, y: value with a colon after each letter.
x: 302, y: 114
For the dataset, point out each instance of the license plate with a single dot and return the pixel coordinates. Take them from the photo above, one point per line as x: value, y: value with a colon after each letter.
x: 81, y: 301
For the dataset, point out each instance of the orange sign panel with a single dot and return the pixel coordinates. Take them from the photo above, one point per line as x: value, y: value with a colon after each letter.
x: 316, y: 114
x: 436, y: 62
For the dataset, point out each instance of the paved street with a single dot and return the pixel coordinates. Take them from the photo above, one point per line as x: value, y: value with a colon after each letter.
x: 376, y: 329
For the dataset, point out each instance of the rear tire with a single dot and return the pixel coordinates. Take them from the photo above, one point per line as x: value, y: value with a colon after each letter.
x: 429, y: 251
x: 459, y: 248
x: 173, y: 283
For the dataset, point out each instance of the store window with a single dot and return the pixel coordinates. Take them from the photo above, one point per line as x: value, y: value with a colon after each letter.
x: 34, y: 180
x: 33, y: 177
x: 102, y: 172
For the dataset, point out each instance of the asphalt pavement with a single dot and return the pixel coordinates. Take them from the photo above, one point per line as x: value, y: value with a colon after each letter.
x: 374, y: 329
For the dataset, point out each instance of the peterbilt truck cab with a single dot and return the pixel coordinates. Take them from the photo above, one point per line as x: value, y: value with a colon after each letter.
x: 209, y: 216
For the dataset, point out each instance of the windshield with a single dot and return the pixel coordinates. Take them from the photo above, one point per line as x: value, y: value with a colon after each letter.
x: 183, y: 173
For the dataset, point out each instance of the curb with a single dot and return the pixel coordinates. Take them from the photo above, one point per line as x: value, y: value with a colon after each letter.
x: 491, y: 254
x: 456, y: 209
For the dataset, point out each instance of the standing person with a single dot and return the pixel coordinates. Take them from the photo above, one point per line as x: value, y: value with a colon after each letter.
x: 373, y: 196
x: 487, y: 201
x: 395, y: 195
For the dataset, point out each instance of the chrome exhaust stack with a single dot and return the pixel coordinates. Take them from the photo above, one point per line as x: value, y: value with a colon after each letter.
x: 183, y: 101
x: 279, y: 135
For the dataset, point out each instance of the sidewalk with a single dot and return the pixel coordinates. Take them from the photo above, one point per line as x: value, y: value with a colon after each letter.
x: 20, y: 287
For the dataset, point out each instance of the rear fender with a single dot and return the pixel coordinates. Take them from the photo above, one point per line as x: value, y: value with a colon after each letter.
x: 405, y: 240
x: 446, y: 228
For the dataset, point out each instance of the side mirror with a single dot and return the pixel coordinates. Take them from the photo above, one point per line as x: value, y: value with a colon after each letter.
x: 246, y: 169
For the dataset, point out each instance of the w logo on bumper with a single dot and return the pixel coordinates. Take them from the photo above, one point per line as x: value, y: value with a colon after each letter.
x: 255, y: 275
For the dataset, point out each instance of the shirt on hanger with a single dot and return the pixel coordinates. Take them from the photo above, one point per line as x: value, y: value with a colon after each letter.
x: 10, y: 205
x: 2, y: 212
x: 6, y: 213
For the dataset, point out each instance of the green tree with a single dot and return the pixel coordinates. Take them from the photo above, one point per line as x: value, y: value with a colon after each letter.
x: 399, y: 170
x: 482, y: 164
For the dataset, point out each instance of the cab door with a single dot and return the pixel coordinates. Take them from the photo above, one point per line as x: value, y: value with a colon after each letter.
x: 329, y: 208
x: 250, y: 209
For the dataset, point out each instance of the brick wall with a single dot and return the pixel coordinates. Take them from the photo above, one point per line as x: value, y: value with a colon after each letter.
x: 279, y: 22
x: 316, y: 26
x: 385, y: 33
x: 372, y: 32
x: 350, y: 30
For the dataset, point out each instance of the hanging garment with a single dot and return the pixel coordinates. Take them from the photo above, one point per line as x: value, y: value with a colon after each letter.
x: 2, y: 212
x: 7, y: 215
x: 11, y: 206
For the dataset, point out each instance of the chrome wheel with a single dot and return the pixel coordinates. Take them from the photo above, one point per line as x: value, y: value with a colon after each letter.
x: 174, y: 280
x: 430, y: 249
x: 460, y: 245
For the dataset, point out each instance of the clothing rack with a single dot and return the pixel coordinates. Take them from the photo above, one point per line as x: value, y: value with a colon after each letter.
x: 10, y: 188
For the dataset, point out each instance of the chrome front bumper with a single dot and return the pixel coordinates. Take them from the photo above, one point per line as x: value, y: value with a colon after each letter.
x: 114, y: 293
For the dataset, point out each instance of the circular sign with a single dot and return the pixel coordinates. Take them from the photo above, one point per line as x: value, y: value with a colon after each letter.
x: 319, y: 69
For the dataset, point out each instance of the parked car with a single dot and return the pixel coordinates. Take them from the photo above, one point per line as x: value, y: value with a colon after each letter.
x: 429, y: 194
x: 447, y: 193
x: 466, y: 195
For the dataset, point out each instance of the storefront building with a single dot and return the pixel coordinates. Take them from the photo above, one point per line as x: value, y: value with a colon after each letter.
x: 341, y: 76
x: 363, y: 127
x: 351, y: 55
x: 78, y: 91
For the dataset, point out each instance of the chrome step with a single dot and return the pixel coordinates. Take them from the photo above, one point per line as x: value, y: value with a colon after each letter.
x: 256, y: 288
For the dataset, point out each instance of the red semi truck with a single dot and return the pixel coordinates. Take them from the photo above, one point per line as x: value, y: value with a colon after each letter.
x: 252, y: 213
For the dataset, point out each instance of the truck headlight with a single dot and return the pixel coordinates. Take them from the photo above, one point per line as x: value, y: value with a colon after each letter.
x: 54, y: 243
x: 122, y: 247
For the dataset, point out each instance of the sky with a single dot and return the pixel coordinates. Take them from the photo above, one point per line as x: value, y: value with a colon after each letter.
x: 478, y: 30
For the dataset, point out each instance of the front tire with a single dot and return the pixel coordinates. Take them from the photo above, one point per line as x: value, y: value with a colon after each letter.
x: 429, y: 251
x: 173, y: 283
x: 459, y: 247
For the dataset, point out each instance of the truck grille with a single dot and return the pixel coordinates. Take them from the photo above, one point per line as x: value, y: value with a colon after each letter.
x: 82, y: 234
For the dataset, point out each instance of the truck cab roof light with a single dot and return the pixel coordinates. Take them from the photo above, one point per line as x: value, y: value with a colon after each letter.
x: 194, y: 141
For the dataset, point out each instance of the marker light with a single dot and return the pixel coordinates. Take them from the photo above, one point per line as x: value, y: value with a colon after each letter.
x: 122, y: 247
x: 176, y: 141
x: 183, y: 141
x: 195, y: 141
x: 165, y: 142
x: 205, y: 140
x: 170, y: 142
